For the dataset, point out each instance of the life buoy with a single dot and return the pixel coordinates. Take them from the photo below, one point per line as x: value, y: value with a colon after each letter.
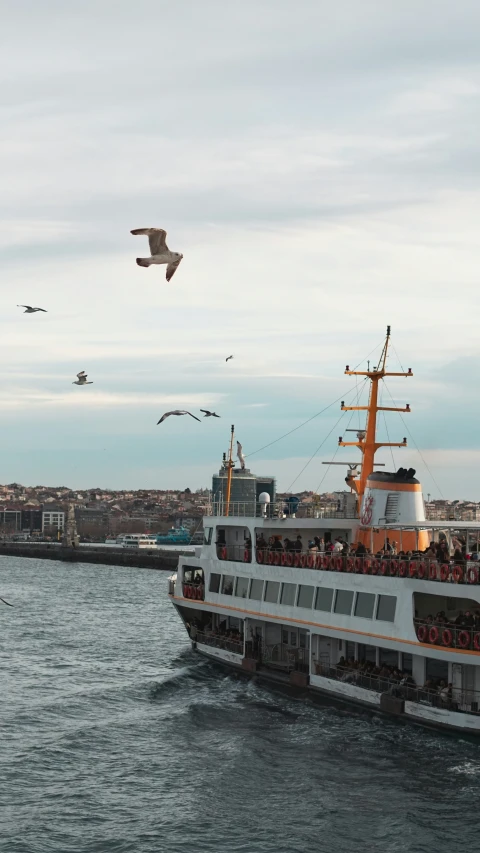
x: 412, y: 569
x: 325, y: 562
x: 393, y: 568
x: 223, y: 553
x: 349, y: 564
x: 375, y: 567
x: 421, y: 571
x: 402, y: 569
x: 433, y: 634
x: 367, y: 565
x: 319, y: 562
x: 270, y: 558
x: 310, y: 561
x: 432, y: 571
x: 276, y: 558
x: 476, y: 642
x: 283, y: 558
x: 447, y: 637
x: 383, y: 567
x: 463, y: 639
x: 357, y: 565
x: 246, y: 556
x: 303, y: 560
x: 259, y: 555
x: 339, y: 564
x: 296, y: 560
x: 472, y: 574
x: 458, y: 574
x: 289, y: 558
x: 444, y: 572
x: 422, y: 633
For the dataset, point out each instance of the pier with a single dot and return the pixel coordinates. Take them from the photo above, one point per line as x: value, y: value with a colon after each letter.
x: 161, y: 560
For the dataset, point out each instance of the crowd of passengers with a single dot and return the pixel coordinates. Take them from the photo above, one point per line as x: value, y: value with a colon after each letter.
x: 439, y: 551
x: 391, y: 679
x: 465, y: 619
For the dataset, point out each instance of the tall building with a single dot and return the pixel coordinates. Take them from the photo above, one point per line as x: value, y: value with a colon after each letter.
x: 52, y: 521
x: 246, y: 487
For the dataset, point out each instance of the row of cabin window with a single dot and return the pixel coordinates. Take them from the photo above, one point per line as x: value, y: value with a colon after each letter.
x: 292, y: 595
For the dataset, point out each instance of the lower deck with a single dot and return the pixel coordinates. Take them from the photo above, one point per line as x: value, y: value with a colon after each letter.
x: 424, y: 689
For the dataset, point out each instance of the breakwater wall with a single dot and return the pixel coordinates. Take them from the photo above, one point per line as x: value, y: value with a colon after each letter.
x: 161, y: 560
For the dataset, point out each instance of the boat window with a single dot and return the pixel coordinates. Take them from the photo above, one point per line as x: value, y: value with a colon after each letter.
x: 407, y: 661
x: 285, y: 637
x: 343, y: 601
x: 288, y: 593
x: 324, y: 598
x: 386, y: 608
x: 365, y: 605
x: 214, y: 582
x: 271, y: 591
x: 227, y: 584
x: 241, y: 588
x: 305, y: 596
x: 256, y: 589
x: 207, y: 535
x: 187, y: 575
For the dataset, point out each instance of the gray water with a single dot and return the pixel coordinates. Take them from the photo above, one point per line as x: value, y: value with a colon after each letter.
x: 117, y: 737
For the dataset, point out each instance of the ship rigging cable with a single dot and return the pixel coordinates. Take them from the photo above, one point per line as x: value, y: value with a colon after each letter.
x: 415, y: 444
x: 342, y: 397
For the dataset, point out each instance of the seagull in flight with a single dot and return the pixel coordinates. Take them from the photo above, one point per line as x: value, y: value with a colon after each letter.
x: 30, y: 310
x: 176, y: 412
x: 240, y: 456
x: 82, y: 379
x: 229, y: 357
x: 159, y: 251
x: 209, y: 414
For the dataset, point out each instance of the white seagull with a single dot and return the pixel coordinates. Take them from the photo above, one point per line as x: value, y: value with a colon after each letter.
x: 229, y: 357
x: 209, y: 414
x: 176, y: 412
x: 160, y: 253
x: 30, y: 310
x: 82, y: 379
x: 240, y: 455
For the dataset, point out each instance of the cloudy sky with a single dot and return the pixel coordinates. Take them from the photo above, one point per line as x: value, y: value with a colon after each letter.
x: 318, y: 165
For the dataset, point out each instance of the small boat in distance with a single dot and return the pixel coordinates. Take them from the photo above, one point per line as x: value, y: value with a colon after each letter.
x: 174, y: 536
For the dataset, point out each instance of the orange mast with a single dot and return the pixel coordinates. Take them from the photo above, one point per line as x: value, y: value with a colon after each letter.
x: 367, y: 443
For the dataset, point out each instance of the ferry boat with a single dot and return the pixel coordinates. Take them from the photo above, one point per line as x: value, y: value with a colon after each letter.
x: 391, y: 622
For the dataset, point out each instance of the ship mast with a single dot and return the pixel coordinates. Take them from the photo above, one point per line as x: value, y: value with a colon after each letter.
x: 229, y: 465
x: 367, y: 443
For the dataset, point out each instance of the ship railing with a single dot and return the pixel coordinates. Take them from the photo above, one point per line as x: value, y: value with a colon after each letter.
x: 275, y: 509
x: 446, y: 696
x: 218, y: 641
x: 386, y: 566
x: 449, y: 635
x: 195, y: 591
x: 285, y: 657
x: 235, y: 553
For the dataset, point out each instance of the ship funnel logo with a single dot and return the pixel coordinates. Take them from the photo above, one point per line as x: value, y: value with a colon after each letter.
x: 367, y: 511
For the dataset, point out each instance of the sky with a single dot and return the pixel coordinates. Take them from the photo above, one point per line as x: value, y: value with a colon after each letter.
x: 316, y: 163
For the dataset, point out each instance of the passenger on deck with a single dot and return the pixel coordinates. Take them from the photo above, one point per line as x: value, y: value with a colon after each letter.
x: 429, y: 554
x: 361, y: 550
x: 261, y: 542
x: 276, y: 545
x: 288, y: 545
x: 469, y: 620
x: 298, y: 545
x: 312, y: 548
x: 338, y: 546
x: 458, y: 557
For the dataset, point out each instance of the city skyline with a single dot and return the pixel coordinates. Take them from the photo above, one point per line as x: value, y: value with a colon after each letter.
x: 321, y: 184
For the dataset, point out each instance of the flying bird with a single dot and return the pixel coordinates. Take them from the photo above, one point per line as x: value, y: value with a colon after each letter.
x: 176, y: 412
x: 209, y: 414
x: 30, y: 310
x: 82, y: 379
x: 2, y: 599
x: 159, y: 251
x: 229, y: 357
x: 240, y: 456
